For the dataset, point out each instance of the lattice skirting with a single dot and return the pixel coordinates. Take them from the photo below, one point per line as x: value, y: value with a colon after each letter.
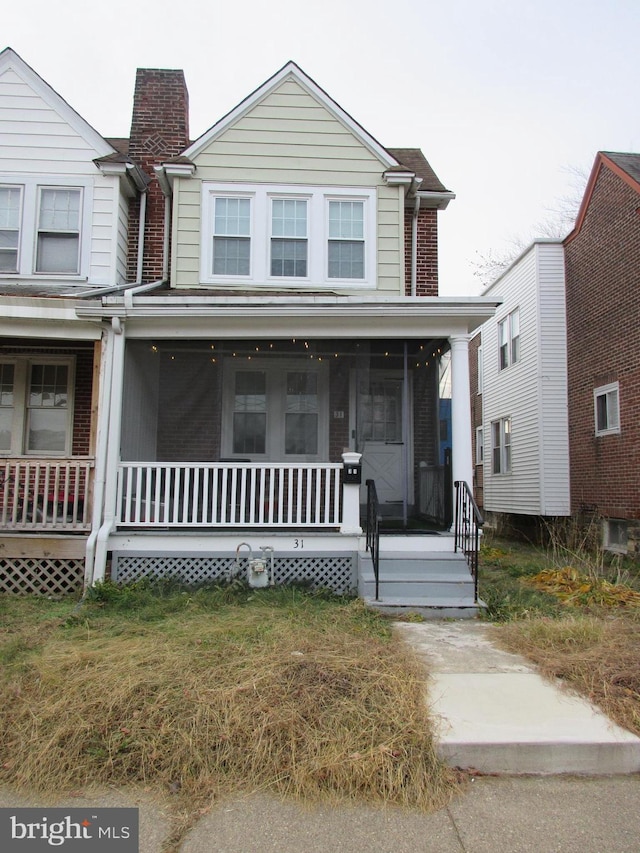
x: 329, y: 571
x: 41, y: 576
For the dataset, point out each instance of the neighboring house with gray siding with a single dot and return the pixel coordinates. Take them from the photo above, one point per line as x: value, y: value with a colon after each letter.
x: 524, y: 426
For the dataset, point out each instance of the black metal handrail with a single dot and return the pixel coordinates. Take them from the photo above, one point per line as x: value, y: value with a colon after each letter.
x: 373, y: 530
x: 468, y: 524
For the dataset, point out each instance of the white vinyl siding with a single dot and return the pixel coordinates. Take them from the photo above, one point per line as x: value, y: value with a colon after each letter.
x: 44, y: 144
x: 533, y: 391
x: 290, y: 139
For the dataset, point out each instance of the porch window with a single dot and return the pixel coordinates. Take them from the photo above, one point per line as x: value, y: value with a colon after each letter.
x: 277, y: 412
x: 346, y: 239
x: 250, y: 412
x: 289, y: 237
x: 509, y: 339
x: 501, y: 446
x: 58, y: 240
x: 232, y: 236
x: 36, y: 406
x: 10, y: 209
x: 606, y: 403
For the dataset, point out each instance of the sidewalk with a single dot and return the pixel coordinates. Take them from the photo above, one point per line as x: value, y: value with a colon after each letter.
x: 493, y: 815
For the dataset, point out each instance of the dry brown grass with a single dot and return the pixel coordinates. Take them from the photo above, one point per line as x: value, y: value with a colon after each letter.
x: 597, y: 654
x: 204, y: 704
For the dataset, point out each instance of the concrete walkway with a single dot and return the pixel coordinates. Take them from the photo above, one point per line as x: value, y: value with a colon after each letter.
x: 498, y: 715
x: 493, y: 815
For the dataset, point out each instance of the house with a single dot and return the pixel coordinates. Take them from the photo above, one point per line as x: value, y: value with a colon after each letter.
x: 519, y: 394
x: 280, y: 344
x: 602, y: 259
x: 64, y: 195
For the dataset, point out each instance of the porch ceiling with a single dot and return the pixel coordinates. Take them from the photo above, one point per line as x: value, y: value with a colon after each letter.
x: 313, y: 317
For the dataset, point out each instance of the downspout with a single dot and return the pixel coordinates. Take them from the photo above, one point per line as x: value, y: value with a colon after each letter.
x: 113, y: 451
x: 414, y: 246
x: 141, y: 227
x: 106, y: 378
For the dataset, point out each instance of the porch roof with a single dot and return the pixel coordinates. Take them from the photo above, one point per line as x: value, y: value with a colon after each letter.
x: 314, y: 316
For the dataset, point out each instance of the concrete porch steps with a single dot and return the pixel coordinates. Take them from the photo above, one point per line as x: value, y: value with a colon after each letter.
x: 434, y: 584
x: 496, y: 714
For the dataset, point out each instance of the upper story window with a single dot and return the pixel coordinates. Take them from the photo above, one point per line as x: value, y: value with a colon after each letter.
x: 346, y: 239
x: 10, y: 213
x: 266, y: 234
x: 289, y: 237
x: 509, y: 339
x: 36, y: 406
x: 58, y: 230
x: 41, y: 229
x: 606, y: 402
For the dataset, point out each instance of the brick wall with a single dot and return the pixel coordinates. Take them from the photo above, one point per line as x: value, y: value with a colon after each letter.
x: 427, y: 258
x: 159, y: 132
x: 603, y: 346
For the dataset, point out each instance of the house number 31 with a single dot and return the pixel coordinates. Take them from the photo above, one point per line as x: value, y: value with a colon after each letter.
x: 298, y: 543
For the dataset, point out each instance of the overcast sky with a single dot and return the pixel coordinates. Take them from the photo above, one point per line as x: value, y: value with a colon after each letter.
x: 502, y: 96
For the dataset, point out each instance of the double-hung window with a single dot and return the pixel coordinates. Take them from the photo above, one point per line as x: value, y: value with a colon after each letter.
x: 41, y: 228
x: 606, y: 402
x: 501, y: 446
x: 288, y: 235
x: 275, y: 411
x: 58, y: 242
x: 289, y: 244
x: 232, y: 236
x: 509, y: 339
x: 346, y: 239
x: 36, y: 406
x: 479, y: 446
x: 10, y: 213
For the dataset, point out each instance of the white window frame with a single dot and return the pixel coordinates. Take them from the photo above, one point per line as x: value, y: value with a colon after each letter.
x: 501, y: 446
x: 21, y: 409
x: 479, y: 446
x: 276, y: 371
x: 611, y: 395
x: 7, y: 227
x: 31, y: 188
x: 509, y: 339
x: 261, y: 197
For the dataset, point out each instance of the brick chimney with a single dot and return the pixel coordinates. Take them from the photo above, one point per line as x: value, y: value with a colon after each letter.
x: 159, y: 131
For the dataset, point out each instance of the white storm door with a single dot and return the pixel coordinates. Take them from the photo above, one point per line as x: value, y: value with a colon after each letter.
x: 379, y: 431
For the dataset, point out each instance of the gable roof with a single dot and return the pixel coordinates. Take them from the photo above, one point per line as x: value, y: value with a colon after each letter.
x: 9, y: 59
x: 294, y: 72
x: 625, y: 165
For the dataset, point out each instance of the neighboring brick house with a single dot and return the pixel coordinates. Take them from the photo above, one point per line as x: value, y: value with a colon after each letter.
x: 602, y: 259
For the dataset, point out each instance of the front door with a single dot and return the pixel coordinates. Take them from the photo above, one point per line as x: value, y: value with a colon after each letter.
x: 379, y: 433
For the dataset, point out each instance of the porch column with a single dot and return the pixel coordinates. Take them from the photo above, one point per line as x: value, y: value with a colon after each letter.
x: 351, y: 498
x: 461, y: 457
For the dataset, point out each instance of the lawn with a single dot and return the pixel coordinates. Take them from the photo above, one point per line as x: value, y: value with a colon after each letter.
x: 574, y: 613
x: 209, y: 692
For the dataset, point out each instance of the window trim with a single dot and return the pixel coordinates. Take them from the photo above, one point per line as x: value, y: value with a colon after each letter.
x: 41, y: 231
x: 31, y: 187
x: 318, y: 199
x: 501, y: 452
x: 20, y: 419
x: 605, y: 391
x: 510, y: 347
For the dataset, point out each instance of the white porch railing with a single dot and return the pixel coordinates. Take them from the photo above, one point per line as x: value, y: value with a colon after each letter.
x: 223, y: 494
x: 45, y: 494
